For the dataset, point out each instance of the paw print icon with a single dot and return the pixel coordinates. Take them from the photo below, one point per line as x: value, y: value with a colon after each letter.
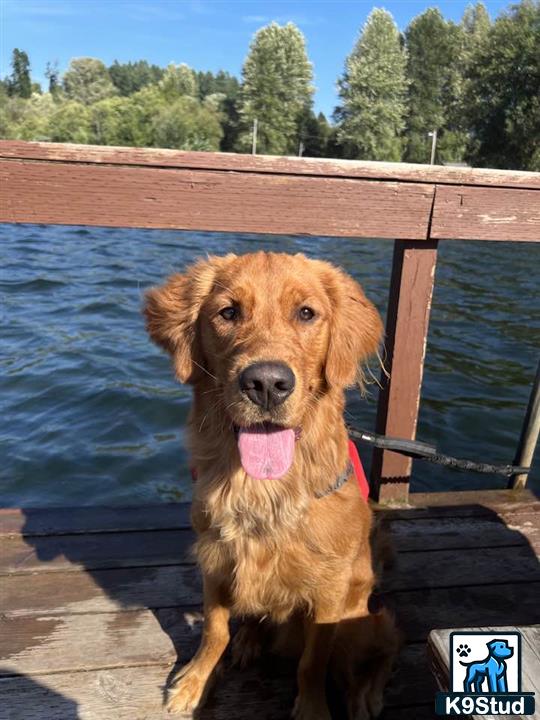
x: 463, y: 650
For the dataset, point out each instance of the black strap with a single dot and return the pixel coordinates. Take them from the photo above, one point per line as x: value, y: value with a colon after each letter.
x: 340, y: 482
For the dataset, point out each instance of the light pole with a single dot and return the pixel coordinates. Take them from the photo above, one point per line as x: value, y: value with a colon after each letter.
x: 433, y: 136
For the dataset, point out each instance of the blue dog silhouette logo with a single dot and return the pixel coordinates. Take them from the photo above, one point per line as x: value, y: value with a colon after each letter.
x: 488, y: 674
x: 485, y: 675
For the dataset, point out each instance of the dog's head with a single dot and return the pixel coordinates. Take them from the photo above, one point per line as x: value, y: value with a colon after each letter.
x: 268, y: 334
x: 500, y: 649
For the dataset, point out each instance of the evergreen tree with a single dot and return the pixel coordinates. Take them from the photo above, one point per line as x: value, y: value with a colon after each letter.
x: 373, y: 92
x: 20, y: 84
x: 503, y: 91
x: 87, y: 81
x: 435, y: 59
x: 314, y: 133
x: 53, y: 76
x: 130, y: 77
x: 276, y: 89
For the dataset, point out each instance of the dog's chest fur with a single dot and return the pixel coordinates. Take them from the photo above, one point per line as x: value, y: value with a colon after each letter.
x: 256, y: 546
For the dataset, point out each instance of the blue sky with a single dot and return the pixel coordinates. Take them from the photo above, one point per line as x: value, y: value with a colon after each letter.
x: 205, y: 34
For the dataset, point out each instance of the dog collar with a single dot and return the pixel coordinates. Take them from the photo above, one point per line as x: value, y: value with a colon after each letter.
x: 354, y: 465
x: 340, y: 482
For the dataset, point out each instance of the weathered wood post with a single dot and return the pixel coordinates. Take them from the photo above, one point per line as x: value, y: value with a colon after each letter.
x: 529, y: 433
x: 409, y: 306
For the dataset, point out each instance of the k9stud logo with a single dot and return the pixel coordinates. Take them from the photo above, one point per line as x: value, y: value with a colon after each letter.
x: 485, y: 676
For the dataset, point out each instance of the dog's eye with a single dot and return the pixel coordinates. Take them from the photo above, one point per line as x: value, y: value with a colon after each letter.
x: 229, y: 313
x: 306, y: 313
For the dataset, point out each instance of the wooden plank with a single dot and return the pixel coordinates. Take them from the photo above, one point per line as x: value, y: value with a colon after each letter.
x: 71, y: 552
x: 115, y: 639
x: 486, y: 214
x: 327, y: 167
x: 65, y: 592
x: 419, y: 611
x: 445, y: 568
x: 265, y: 689
x: 496, y: 500
x: 100, y: 590
x: 409, y: 306
x: 170, y: 547
x: 32, y: 522
x: 121, y: 196
x: 447, y: 533
x: 175, y: 516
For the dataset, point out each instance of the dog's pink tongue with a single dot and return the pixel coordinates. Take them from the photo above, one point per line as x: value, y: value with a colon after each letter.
x: 266, y: 451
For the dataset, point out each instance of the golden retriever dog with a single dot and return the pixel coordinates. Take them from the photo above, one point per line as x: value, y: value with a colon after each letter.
x: 269, y: 343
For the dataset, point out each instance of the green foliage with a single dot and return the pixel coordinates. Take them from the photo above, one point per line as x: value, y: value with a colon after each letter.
x: 130, y: 77
x: 373, y: 91
x: 178, y: 80
x: 476, y: 82
x: 187, y: 125
x: 276, y: 89
x: 435, y: 64
x: 20, y: 84
x: 70, y: 122
x: 503, y: 91
x: 87, y: 81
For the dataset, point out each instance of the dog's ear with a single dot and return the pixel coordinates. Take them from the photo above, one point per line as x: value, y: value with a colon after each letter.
x: 355, y: 329
x: 172, y: 313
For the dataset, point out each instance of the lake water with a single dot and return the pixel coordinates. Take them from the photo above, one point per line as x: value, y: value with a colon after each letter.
x: 90, y: 412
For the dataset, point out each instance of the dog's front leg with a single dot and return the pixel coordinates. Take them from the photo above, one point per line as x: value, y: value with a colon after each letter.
x: 192, y: 682
x: 311, y: 702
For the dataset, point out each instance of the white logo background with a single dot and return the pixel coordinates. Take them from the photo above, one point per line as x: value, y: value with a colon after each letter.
x: 477, y: 643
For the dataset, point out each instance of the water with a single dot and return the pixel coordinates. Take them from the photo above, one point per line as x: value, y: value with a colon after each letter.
x: 90, y: 413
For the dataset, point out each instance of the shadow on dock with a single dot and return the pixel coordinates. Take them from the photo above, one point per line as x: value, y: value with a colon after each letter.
x: 456, y: 566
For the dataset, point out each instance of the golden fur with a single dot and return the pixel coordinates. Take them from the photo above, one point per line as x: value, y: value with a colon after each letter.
x: 271, y: 548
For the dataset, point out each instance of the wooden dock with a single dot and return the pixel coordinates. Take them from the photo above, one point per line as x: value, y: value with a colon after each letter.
x: 98, y: 603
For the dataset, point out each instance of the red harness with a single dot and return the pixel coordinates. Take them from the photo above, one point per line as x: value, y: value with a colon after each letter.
x: 359, y: 473
x: 356, y: 463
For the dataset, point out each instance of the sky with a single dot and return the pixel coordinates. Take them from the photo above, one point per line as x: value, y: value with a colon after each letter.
x: 205, y: 34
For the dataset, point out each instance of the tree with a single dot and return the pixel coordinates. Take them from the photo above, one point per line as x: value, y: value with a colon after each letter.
x: 276, y: 88
x: 178, y: 80
x: 70, y: 122
x: 503, y: 91
x: 87, y: 81
x: 20, y: 83
x: 186, y: 125
x: 373, y: 92
x: 314, y: 133
x: 434, y: 65
x: 53, y: 76
x: 130, y: 77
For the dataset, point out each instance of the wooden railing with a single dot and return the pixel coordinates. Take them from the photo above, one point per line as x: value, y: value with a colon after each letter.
x: 415, y: 205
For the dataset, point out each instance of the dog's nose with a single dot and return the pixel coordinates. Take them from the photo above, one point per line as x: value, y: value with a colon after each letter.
x: 267, y: 384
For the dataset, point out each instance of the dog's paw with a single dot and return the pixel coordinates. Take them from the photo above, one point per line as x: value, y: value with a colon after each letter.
x: 463, y: 650
x: 309, y: 708
x: 187, y: 691
x: 246, y: 646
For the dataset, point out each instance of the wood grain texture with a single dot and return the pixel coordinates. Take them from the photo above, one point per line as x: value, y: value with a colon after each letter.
x: 99, y: 591
x: 175, y: 516
x: 486, y: 214
x: 123, y: 196
x: 32, y: 522
x: 324, y: 167
x: 266, y: 689
x: 409, y: 307
x: 92, y: 551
